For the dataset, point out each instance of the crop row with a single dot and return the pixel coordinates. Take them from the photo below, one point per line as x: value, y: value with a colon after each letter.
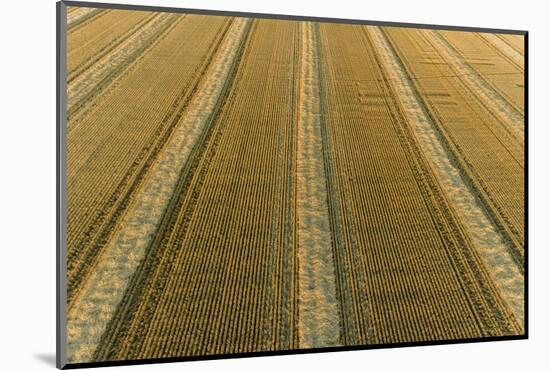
x: 240, y: 185
x: 486, y: 59
x: 96, y: 81
x: 496, y: 103
x: 402, y: 281
x: 79, y: 17
x: 111, y: 150
x: 223, y: 283
x: 516, y: 42
x: 129, y: 243
x: 490, y: 157
x: 88, y: 44
x: 495, y: 270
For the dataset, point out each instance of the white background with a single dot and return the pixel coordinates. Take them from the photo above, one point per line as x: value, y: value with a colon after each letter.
x: 27, y: 182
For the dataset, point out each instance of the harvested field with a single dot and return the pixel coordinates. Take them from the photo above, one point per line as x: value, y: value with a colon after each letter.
x: 237, y: 185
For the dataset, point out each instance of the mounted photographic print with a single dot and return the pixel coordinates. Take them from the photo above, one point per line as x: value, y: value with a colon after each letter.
x: 235, y: 184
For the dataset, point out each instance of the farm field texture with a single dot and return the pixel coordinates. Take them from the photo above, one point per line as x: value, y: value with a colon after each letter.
x: 239, y: 185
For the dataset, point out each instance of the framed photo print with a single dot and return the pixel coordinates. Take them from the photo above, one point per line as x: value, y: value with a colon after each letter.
x: 234, y: 184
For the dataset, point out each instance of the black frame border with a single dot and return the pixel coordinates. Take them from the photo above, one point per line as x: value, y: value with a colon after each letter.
x: 61, y: 206
x: 165, y: 9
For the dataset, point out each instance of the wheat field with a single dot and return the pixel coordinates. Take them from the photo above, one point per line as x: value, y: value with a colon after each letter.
x: 239, y: 185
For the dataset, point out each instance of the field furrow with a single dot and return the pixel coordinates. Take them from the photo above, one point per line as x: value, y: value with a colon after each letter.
x: 490, y: 158
x: 98, y: 199
x: 317, y: 300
